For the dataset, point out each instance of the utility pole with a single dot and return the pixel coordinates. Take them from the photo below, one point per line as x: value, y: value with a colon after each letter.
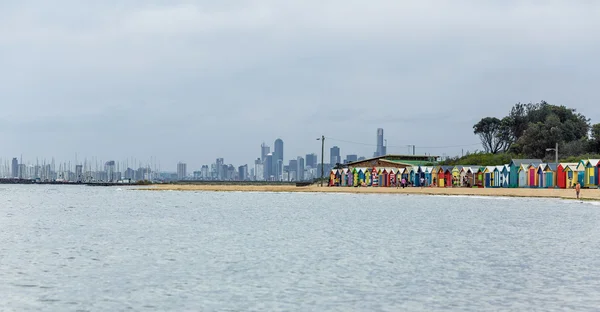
x: 322, y: 139
x: 555, y: 149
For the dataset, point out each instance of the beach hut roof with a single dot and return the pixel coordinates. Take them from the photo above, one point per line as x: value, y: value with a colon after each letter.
x: 564, y: 165
x: 520, y: 162
x: 552, y: 166
x: 593, y: 162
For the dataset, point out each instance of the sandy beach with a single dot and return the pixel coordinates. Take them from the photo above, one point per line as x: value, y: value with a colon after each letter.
x: 586, y: 194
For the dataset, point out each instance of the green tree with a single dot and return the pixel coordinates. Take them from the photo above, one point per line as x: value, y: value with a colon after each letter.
x: 595, y: 141
x: 489, y: 130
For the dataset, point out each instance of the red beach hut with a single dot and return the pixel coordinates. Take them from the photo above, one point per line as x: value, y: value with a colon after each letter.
x: 448, y: 176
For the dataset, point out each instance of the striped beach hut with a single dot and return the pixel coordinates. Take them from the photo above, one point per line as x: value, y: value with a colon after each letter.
x: 540, y: 175
x: 374, y: 177
x: 498, y: 178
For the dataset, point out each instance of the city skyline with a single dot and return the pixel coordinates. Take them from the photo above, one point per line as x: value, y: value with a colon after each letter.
x: 268, y: 166
x: 155, y: 79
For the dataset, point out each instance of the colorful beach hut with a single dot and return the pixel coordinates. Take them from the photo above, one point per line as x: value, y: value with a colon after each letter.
x: 533, y: 175
x: 523, y: 175
x: 374, y: 177
x: 368, y: 176
x: 333, y: 175
x: 361, y: 176
x: 580, y: 169
x: 571, y: 175
x: 550, y: 175
x: 515, y: 167
x: 480, y: 177
x: 564, y: 174
x: 505, y: 173
x: 540, y: 175
x: 488, y: 174
x: 591, y: 168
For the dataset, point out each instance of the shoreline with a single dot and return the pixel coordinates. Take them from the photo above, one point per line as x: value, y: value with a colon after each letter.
x: 585, y: 195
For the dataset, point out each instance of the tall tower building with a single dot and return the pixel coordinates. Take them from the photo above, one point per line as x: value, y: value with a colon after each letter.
x: 219, y: 168
x: 334, y: 156
x: 181, y: 171
x: 300, y: 170
x: 268, y: 166
x: 381, y: 149
x: 264, y: 150
x: 311, y: 160
x: 278, y: 159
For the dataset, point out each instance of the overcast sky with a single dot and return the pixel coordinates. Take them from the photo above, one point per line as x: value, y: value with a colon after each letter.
x: 197, y: 80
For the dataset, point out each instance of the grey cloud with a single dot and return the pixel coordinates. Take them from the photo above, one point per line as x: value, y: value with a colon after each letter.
x: 196, y: 80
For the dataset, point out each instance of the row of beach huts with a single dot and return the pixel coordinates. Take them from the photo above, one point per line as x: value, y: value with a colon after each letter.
x: 524, y: 173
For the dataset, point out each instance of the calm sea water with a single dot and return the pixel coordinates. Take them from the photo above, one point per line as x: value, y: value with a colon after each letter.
x: 93, y: 248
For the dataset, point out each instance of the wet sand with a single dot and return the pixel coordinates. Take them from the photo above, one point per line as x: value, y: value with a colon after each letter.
x: 586, y: 194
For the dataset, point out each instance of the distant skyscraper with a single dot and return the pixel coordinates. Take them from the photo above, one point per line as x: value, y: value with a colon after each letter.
x: 243, y: 173
x: 278, y: 159
x: 15, y: 168
x: 264, y: 150
x: 181, y: 171
x: 300, y: 170
x: 350, y: 158
x: 220, y: 174
x: 110, y: 169
x: 381, y: 149
x: 292, y: 169
x: 311, y: 160
x: 259, y: 171
x: 268, y: 166
x: 334, y: 156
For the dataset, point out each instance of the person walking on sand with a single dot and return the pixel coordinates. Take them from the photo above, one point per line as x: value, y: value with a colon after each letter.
x: 577, y: 189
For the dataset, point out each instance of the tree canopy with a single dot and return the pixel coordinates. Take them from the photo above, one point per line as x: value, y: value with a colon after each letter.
x: 529, y: 129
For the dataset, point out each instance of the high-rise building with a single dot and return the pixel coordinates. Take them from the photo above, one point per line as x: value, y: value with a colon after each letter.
x: 334, y: 156
x: 259, y: 171
x: 220, y: 173
x: 15, y: 168
x: 311, y: 160
x: 381, y: 149
x: 350, y: 158
x: 243, y: 173
x: 181, y: 171
x: 205, y: 172
x: 264, y: 150
x: 110, y: 169
x: 268, y: 166
x: 300, y: 170
x: 278, y: 159
x: 292, y: 169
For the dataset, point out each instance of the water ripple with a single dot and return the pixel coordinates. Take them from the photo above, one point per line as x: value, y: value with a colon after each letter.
x: 88, y: 249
